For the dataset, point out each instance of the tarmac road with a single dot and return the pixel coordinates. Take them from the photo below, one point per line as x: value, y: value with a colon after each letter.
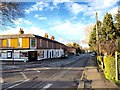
x: 58, y: 74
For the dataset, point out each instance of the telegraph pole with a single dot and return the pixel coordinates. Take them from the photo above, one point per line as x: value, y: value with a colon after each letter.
x: 97, y: 43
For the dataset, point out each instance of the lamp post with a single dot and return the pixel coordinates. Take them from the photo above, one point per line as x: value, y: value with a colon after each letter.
x: 97, y: 43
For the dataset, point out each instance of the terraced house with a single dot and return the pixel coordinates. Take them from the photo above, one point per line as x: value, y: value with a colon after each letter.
x: 29, y: 47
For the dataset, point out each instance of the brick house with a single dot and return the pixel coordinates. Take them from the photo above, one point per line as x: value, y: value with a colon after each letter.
x: 29, y: 47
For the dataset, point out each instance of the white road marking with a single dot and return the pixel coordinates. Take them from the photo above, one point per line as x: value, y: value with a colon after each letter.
x: 13, y: 82
x: 17, y: 84
x: 1, y: 80
x: 37, y: 70
x: 47, y: 86
x: 23, y: 75
x: 57, y: 68
x: 82, y: 75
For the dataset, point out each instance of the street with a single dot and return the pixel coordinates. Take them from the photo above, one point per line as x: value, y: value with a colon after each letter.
x: 72, y: 73
x: 51, y: 74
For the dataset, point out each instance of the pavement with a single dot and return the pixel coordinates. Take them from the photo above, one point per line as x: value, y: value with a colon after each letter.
x: 93, y: 78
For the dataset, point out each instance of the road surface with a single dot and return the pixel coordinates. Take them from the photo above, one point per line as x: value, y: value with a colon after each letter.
x: 61, y: 73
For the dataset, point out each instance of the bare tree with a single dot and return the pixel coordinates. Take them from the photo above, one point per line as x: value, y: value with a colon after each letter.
x: 9, y: 12
x: 108, y: 47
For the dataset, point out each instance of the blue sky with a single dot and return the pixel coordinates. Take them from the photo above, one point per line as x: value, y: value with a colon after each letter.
x: 67, y: 20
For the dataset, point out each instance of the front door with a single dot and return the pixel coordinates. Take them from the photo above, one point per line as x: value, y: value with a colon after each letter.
x: 32, y: 55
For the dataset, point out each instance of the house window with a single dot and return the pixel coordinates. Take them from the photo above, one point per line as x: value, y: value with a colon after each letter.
x: 0, y: 54
x: 52, y: 53
x: 60, y: 46
x: 0, y: 43
x: 42, y: 56
x: 9, y: 54
x: 19, y: 42
x: 40, y: 42
x: 47, y: 44
x: 58, y: 53
x: 33, y: 42
x: 23, y: 54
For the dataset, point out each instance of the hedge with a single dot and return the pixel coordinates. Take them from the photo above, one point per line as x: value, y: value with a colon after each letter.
x: 109, y: 70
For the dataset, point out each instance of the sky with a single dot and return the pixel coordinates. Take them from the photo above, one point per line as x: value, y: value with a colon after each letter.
x: 66, y: 20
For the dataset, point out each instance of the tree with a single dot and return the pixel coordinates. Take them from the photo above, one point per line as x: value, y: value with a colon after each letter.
x: 10, y: 11
x: 76, y: 46
x: 92, y: 38
x: 108, y: 27
x: 108, y: 47
x: 106, y: 36
x: 117, y: 23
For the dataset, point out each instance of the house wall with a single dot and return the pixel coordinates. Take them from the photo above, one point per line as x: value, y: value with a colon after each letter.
x: 54, y: 49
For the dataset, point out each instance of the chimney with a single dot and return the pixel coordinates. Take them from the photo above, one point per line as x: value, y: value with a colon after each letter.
x: 46, y: 35
x: 52, y: 38
x: 21, y: 31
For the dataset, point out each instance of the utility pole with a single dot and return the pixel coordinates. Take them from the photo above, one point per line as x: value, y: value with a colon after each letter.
x: 97, y: 43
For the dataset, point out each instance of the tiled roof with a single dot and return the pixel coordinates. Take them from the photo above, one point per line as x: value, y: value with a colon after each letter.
x: 15, y: 36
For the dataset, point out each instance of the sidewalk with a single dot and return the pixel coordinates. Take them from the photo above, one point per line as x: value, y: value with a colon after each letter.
x: 93, y: 78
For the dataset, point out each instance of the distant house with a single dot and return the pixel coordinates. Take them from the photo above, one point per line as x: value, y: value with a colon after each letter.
x: 30, y: 47
x: 71, y: 50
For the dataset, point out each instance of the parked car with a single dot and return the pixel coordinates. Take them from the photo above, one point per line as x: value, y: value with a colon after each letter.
x: 77, y: 54
x: 93, y: 54
x: 64, y: 56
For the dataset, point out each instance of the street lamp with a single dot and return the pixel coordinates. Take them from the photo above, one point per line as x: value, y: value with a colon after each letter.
x: 97, y: 43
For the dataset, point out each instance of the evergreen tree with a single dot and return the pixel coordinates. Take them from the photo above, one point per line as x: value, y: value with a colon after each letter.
x: 108, y: 27
x: 117, y: 23
x: 92, y: 39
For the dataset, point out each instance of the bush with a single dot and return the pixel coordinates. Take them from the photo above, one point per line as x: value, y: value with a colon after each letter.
x: 109, y: 71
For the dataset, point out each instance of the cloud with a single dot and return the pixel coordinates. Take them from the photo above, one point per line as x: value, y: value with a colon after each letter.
x: 76, y: 8
x: 20, y: 20
x: 27, y: 22
x: 69, y: 32
x: 114, y: 10
x: 38, y: 6
x: 89, y: 9
x: 56, y: 2
x: 40, y: 17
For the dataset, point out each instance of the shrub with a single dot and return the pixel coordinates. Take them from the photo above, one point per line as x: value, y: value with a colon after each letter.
x: 109, y: 71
